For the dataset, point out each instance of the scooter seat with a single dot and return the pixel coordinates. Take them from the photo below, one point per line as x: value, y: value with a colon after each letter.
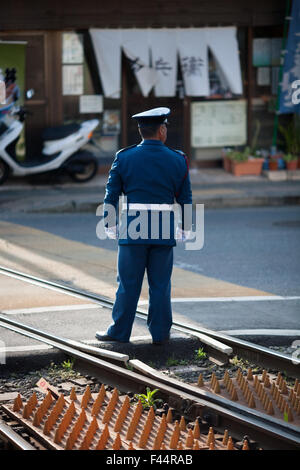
x: 60, y: 132
x: 38, y: 160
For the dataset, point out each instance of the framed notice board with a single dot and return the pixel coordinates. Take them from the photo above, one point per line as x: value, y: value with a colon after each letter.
x: 218, y: 123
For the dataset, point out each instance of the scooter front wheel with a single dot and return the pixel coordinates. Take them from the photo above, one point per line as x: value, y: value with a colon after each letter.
x: 83, y: 168
x: 4, y: 171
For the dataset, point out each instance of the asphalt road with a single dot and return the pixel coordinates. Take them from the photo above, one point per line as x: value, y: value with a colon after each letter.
x: 254, y: 247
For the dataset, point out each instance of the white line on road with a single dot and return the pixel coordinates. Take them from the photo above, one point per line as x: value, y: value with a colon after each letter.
x: 56, y: 308
x: 252, y: 298
x: 25, y: 348
x: 262, y: 332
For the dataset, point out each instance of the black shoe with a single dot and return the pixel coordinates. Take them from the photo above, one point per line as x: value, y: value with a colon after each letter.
x: 105, y: 337
x: 160, y: 343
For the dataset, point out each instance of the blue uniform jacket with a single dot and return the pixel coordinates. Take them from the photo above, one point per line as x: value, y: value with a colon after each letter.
x: 149, y: 172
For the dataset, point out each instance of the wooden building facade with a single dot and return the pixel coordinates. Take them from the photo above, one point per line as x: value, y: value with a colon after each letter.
x: 42, y: 26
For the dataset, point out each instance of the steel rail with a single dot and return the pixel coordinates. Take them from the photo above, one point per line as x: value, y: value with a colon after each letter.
x: 213, y: 405
x: 110, y: 355
x: 9, y: 435
x: 259, y: 354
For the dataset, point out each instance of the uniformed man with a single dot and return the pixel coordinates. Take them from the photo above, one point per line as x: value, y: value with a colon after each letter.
x: 151, y: 176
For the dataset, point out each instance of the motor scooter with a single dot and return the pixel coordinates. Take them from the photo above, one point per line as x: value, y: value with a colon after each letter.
x: 62, y: 149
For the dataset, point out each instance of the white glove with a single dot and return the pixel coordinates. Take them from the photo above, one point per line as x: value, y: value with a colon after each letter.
x: 183, y: 235
x: 111, y: 232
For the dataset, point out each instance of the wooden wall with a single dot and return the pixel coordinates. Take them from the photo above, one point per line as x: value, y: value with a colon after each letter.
x: 71, y: 14
x: 41, y: 23
x: 43, y: 74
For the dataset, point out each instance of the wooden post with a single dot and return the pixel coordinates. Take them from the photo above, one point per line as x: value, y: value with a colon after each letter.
x: 249, y: 82
x: 53, y: 77
x: 124, y: 105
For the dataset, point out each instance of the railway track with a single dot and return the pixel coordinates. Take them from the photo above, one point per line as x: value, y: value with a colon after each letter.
x: 218, y: 344
x: 193, y: 402
x: 189, y: 400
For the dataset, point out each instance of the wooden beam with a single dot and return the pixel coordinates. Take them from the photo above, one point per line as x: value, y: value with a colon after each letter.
x: 53, y: 77
x: 249, y: 82
x: 124, y: 105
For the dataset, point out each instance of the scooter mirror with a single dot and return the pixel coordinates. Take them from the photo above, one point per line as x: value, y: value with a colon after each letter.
x: 29, y: 93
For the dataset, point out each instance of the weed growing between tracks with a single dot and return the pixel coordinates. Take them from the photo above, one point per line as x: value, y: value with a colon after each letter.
x: 188, y: 370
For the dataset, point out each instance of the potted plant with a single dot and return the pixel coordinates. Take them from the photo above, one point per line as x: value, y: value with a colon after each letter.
x: 291, y: 161
x: 250, y: 161
x: 291, y: 134
x: 246, y: 163
x: 226, y: 159
x: 273, y: 164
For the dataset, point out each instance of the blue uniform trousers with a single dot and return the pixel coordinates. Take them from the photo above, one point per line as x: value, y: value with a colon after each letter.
x: 133, y: 261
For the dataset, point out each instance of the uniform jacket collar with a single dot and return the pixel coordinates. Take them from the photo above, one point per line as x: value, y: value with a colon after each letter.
x: 151, y: 142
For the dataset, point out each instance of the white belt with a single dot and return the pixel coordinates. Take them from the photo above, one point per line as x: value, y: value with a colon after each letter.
x: 148, y: 207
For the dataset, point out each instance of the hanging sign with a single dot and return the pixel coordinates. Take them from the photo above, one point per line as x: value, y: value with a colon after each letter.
x: 107, y: 47
x: 291, y: 66
x: 192, y: 46
x: 164, y: 60
x: 135, y: 44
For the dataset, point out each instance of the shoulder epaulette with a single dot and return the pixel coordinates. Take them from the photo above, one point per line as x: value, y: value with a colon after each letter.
x: 126, y: 148
x: 177, y: 151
